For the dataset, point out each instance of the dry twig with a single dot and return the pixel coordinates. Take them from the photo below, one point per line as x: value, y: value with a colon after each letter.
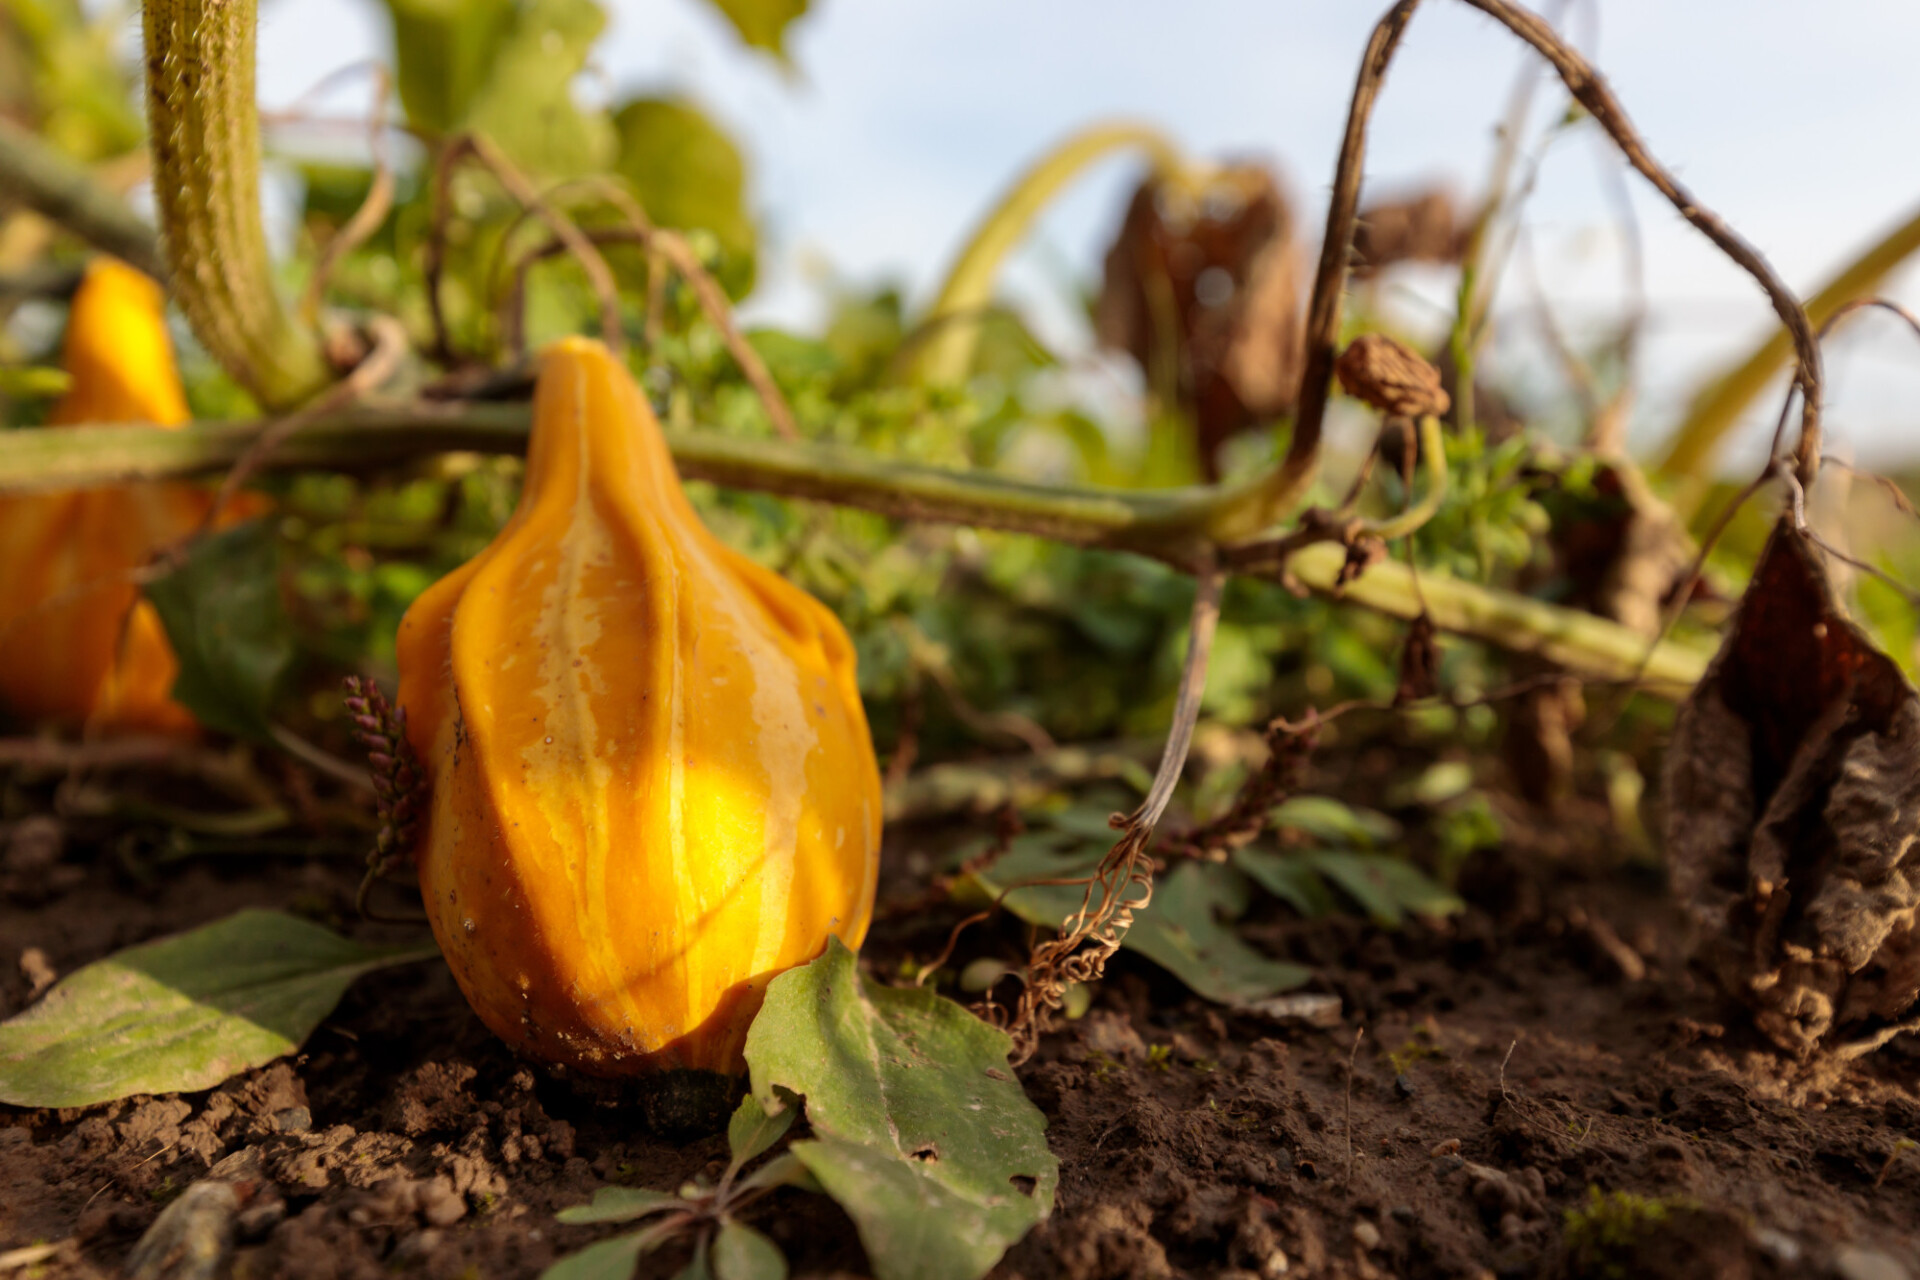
x: 1124, y: 878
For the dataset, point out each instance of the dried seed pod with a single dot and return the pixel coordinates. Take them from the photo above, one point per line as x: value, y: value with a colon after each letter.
x: 1391, y: 377
x: 77, y: 643
x: 652, y: 785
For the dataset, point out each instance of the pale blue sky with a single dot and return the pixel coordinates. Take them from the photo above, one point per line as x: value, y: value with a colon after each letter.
x: 1799, y: 122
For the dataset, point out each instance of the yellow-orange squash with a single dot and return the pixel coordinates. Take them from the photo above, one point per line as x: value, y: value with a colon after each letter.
x: 77, y: 644
x: 652, y: 785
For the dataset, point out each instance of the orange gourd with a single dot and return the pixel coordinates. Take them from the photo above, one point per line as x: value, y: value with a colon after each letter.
x: 652, y: 785
x: 77, y: 643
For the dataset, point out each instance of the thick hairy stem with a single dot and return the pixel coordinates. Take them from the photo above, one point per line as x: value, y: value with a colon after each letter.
x: 63, y: 192
x: 951, y: 326
x: 205, y: 129
x: 1167, y: 526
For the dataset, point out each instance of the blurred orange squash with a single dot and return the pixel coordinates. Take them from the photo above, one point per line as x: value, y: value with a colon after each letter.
x: 77, y: 643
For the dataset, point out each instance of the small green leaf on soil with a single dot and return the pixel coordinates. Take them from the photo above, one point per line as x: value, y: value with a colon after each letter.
x: 182, y: 1013
x: 1181, y: 931
x: 752, y: 1130
x: 921, y: 1131
x: 228, y: 627
x: 741, y: 1253
x: 1328, y: 819
x: 620, y: 1204
x: 1386, y: 887
x: 611, y: 1259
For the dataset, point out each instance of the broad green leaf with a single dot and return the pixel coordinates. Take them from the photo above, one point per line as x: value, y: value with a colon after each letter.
x: 183, y: 1013
x: 1328, y: 819
x: 443, y: 52
x: 1288, y: 877
x: 612, y: 1259
x: 1181, y: 931
x: 620, y: 1204
x: 762, y: 24
x: 1385, y: 886
x: 527, y: 106
x: 1183, y: 934
x: 752, y: 1130
x: 689, y: 175
x: 921, y: 1131
x: 741, y: 1253
x: 228, y: 628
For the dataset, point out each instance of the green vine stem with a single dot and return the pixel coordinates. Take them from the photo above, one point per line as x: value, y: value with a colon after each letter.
x: 1178, y: 527
x: 61, y: 190
x: 205, y: 129
x: 951, y: 326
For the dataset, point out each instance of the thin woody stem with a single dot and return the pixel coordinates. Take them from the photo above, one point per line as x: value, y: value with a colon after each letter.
x: 1274, y: 496
x: 1591, y: 92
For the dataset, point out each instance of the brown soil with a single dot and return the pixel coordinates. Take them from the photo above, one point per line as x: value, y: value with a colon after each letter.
x: 1548, y: 1049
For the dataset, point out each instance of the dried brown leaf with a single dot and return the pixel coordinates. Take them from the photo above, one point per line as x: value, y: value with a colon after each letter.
x: 1793, y: 807
x: 1204, y: 291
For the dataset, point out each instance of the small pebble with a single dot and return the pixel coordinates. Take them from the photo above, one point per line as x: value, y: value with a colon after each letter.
x: 417, y: 1247
x: 1445, y: 1147
x: 256, y: 1221
x: 1858, y: 1262
x: 293, y: 1120
x: 1403, y: 1086
x: 39, y: 974
x: 1366, y: 1235
x: 1448, y: 1164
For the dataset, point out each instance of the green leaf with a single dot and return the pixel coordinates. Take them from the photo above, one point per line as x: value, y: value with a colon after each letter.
x: 741, y: 1253
x: 762, y: 24
x: 612, y: 1259
x: 784, y: 1170
x: 752, y: 1130
x: 33, y: 382
x: 183, y: 1013
x: 697, y: 1267
x: 228, y: 628
x: 444, y: 51
x: 921, y: 1131
x: 1386, y: 887
x: 1183, y: 934
x: 1181, y: 931
x: 620, y: 1204
x: 1328, y: 819
x: 527, y: 106
x: 689, y: 175
x: 1288, y: 877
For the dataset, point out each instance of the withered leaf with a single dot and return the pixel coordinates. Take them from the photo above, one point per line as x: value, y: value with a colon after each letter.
x: 1205, y: 293
x: 1793, y: 805
x: 1421, y: 227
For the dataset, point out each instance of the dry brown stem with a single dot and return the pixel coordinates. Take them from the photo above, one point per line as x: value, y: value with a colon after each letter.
x: 1336, y: 246
x: 1592, y: 93
x: 372, y: 211
x: 1124, y: 878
